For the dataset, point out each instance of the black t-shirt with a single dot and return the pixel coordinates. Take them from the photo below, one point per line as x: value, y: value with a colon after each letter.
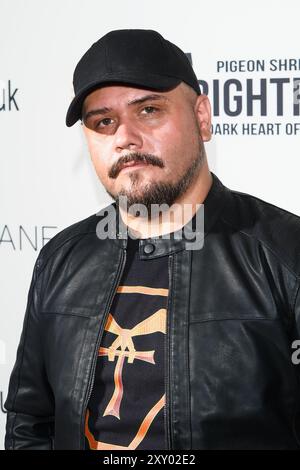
x: 126, y: 409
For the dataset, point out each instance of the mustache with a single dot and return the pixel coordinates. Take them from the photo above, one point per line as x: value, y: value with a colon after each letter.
x: 135, y: 157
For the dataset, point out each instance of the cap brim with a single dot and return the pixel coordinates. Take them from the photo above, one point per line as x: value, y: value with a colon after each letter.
x: 152, y: 81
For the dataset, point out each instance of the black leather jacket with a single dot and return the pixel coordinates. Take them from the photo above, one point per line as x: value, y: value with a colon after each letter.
x: 233, y: 313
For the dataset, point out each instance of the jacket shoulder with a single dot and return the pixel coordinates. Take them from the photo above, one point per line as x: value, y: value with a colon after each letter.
x: 274, y: 227
x: 72, y: 233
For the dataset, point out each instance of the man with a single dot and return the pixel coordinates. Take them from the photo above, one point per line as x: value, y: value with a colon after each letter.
x: 136, y: 337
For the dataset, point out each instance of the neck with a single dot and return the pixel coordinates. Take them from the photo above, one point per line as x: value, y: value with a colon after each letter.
x: 175, y: 217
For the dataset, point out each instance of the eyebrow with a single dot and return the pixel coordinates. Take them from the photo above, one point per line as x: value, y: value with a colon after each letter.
x: 143, y: 99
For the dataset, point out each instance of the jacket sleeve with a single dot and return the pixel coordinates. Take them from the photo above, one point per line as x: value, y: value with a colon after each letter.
x: 30, y: 402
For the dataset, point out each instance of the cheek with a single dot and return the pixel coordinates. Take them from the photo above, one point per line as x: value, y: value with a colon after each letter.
x: 163, y: 140
x: 179, y: 142
x: 99, y: 157
x: 95, y: 146
x: 172, y: 140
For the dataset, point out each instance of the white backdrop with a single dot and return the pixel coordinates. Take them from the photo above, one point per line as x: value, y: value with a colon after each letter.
x: 47, y: 180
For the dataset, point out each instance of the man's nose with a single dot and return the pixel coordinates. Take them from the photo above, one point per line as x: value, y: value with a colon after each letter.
x: 127, y: 136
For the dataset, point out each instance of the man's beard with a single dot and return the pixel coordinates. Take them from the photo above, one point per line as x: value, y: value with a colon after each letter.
x: 157, y: 192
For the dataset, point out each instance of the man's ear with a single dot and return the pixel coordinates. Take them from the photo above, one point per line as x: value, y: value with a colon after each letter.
x: 203, y: 114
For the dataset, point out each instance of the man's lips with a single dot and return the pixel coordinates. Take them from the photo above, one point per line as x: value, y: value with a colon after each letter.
x: 132, y: 166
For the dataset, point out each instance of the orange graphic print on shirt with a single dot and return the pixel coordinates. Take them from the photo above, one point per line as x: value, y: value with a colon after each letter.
x: 122, y: 348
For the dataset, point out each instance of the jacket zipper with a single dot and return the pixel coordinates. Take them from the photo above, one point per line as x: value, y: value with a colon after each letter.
x: 167, y: 359
x: 92, y: 375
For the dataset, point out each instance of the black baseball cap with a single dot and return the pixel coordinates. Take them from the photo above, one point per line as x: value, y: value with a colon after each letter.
x: 140, y: 57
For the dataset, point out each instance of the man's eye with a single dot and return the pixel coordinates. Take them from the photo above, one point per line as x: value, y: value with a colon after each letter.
x: 103, y: 123
x: 149, y: 109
